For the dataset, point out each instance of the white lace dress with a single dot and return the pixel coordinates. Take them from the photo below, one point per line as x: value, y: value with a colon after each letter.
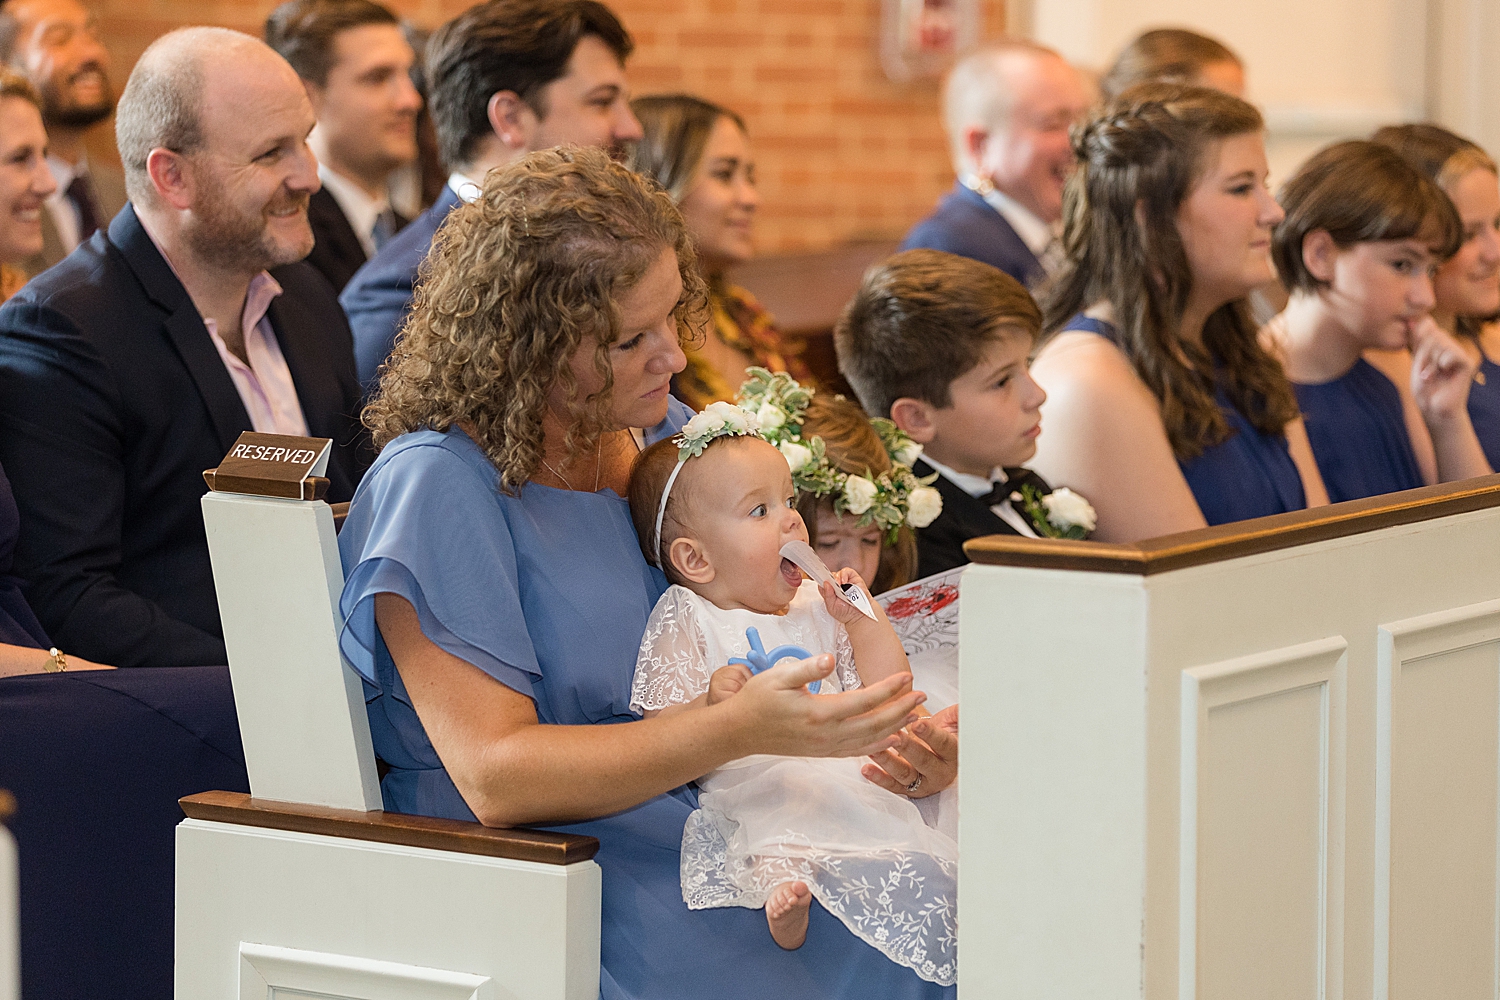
x: 762, y: 821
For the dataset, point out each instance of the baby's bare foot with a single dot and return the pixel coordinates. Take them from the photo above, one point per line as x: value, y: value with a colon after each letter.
x: 786, y: 912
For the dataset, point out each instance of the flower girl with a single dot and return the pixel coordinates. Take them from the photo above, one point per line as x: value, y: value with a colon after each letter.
x: 713, y: 508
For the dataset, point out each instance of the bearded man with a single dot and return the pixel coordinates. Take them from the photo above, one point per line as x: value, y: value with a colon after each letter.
x: 133, y: 365
x: 55, y: 45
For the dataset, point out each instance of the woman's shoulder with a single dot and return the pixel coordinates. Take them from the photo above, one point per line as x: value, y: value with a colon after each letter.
x: 1082, y: 363
x: 423, y: 469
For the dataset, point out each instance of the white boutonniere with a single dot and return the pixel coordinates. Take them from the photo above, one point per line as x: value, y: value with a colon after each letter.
x: 1059, y: 514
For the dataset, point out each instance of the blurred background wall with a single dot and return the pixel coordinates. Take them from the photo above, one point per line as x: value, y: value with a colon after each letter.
x: 846, y: 154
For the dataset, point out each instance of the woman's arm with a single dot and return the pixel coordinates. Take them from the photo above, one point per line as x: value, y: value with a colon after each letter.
x: 1307, y: 465
x: 512, y: 770
x: 1102, y: 436
x: 17, y: 660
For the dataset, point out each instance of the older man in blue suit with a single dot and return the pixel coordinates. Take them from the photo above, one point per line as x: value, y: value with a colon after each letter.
x: 1007, y: 109
x: 505, y: 78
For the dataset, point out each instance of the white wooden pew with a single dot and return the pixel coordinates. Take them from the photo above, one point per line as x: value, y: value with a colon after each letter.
x: 1261, y: 760
x: 304, y: 887
x: 10, y: 916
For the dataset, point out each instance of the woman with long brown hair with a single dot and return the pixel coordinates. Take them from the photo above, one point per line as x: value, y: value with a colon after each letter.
x: 1163, y: 409
x: 700, y: 154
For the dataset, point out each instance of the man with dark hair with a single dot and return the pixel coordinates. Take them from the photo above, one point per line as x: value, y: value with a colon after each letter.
x: 55, y: 44
x: 356, y: 65
x: 136, y: 363
x: 504, y: 78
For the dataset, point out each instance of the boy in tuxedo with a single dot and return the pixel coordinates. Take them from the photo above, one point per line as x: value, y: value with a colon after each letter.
x: 940, y: 344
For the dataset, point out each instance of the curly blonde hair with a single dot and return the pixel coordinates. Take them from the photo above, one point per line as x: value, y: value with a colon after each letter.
x: 516, y: 282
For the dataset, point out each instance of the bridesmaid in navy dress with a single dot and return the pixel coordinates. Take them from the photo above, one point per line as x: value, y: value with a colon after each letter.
x: 1467, y: 287
x: 1364, y: 233
x: 1162, y: 407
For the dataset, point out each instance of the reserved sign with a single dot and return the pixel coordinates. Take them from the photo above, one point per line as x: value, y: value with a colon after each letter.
x: 274, y: 465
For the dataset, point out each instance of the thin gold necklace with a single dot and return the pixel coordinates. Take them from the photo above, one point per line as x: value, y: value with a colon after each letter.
x: 598, y: 464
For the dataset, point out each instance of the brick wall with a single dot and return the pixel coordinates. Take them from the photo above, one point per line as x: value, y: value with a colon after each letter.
x: 843, y: 152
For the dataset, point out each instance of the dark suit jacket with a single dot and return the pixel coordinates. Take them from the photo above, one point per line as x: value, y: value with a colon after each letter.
x: 378, y: 296
x: 965, y: 224
x: 113, y: 400
x: 337, y: 251
x: 940, y: 545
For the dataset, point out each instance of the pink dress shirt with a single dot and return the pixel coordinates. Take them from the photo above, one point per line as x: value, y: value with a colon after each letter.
x: 265, y: 384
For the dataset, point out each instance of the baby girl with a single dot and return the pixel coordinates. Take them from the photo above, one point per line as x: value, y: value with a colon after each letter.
x: 713, y: 509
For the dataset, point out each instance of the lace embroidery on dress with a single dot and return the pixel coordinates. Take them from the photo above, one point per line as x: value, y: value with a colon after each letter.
x: 865, y: 853
x: 672, y: 667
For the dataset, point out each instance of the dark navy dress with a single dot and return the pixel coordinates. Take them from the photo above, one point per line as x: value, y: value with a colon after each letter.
x: 1358, y: 434
x: 548, y: 593
x: 18, y: 626
x: 1484, y: 410
x: 1248, y: 474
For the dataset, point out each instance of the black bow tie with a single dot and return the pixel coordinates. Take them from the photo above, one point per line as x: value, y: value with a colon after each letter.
x: 999, y: 493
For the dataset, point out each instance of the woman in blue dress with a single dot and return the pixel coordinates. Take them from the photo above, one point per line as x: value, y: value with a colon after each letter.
x: 496, y: 594
x: 1363, y: 235
x: 1467, y: 287
x: 1162, y: 407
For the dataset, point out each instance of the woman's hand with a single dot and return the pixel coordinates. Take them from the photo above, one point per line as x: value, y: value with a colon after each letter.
x: 927, y: 756
x: 1441, y: 372
x: 780, y: 716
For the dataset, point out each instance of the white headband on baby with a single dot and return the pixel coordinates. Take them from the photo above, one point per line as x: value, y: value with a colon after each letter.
x: 717, y: 420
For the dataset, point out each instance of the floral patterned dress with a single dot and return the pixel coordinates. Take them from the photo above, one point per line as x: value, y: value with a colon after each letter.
x: 744, y: 324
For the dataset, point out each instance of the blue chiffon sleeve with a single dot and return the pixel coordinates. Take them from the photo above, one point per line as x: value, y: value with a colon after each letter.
x: 427, y: 526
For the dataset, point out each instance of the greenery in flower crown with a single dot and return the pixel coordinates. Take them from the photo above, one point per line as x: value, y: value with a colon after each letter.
x: 889, y: 500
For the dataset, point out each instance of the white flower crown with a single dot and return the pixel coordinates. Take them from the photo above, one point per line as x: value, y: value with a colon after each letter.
x: 779, y: 404
x: 772, y: 407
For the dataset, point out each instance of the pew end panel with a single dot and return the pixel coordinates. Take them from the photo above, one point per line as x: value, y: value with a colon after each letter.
x: 338, y: 903
x: 306, y: 888
x: 303, y: 723
x: 1257, y: 760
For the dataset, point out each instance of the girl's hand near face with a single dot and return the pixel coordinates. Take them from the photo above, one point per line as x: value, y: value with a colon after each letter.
x: 1441, y: 372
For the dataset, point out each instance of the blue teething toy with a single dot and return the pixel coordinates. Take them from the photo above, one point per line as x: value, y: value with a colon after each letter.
x: 758, y: 659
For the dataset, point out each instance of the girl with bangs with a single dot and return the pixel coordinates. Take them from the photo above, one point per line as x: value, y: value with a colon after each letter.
x: 1363, y: 237
x: 1163, y: 408
x: 1467, y: 287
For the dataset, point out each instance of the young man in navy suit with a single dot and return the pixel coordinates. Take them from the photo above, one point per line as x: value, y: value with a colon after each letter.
x: 356, y: 65
x: 135, y: 364
x: 505, y: 78
x: 1007, y: 110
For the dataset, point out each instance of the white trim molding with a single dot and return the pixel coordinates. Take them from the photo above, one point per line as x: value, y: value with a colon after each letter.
x: 270, y: 973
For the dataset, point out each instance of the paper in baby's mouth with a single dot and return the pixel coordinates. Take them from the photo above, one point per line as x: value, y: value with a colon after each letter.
x: 804, y: 558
